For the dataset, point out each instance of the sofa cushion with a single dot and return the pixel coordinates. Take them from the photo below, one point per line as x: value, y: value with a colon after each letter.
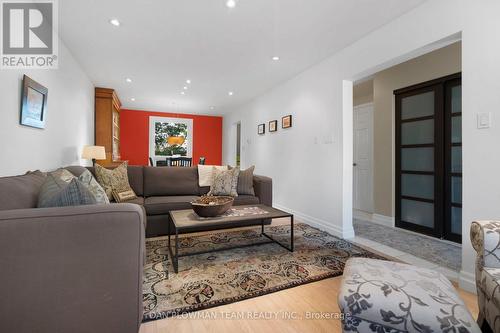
x: 137, y: 201
x: 206, y: 174
x: 245, y: 181
x: 163, y: 204
x: 93, y: 186
x: 135, y: 177
x: 114, y: 181
x: 20, y: 192
x: 58, y: 192
x: 246, y: 200
x: 225, y: 182
x: 164, y: 181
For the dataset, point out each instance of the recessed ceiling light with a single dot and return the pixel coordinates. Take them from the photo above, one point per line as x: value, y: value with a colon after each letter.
x: 230, y: 93
x: 276, y: 58
x: 132, y: 99
x: 183, y: 93
x: 188, y: 81
x: 230, y: 3
x: 185, y: 87
x: 212, y: 107
x: 128, y: 80
x: 115, y: 22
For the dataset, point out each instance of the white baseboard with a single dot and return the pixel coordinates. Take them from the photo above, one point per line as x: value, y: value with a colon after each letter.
x: 319, y: 223
x: 467, y: 281
x: 387, y: 221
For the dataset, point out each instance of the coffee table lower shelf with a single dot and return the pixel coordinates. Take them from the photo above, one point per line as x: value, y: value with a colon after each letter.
x: 220, y: 224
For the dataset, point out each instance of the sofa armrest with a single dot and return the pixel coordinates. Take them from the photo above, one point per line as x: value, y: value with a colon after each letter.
x: 263, y: 187
x: 72, y: 269
x: 485, y: 238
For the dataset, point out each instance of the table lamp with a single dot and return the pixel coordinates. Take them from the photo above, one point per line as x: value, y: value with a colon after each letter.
x: 94, y: 153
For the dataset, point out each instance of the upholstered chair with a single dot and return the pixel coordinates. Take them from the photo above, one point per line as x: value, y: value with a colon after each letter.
x: 485, y: 237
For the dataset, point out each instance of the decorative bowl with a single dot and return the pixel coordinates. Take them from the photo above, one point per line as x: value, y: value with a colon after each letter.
x: 212, y: 206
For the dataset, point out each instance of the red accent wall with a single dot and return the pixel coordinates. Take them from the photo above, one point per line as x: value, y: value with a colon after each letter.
x: 134, y: 136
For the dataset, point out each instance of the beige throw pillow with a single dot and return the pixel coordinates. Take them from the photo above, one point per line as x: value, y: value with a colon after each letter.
x: 225, y: 182
x: 115, y: 182
x: 206, y: 174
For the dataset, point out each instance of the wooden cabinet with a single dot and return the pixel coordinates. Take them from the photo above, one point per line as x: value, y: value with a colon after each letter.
x: 107, y: 125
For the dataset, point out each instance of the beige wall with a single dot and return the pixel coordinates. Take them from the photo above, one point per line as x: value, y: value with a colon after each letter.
x: 433, y: 65
x: 363, y: 93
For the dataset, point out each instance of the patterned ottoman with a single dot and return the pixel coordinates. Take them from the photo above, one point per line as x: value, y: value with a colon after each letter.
x: 385, y: 296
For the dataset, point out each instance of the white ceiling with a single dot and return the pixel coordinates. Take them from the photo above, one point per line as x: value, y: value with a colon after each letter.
x: 161, y: 43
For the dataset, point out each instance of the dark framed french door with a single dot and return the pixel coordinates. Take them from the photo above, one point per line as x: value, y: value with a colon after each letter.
x: 428, y: 158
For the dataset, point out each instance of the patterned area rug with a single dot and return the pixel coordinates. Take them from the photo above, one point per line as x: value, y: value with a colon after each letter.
x: 217, y: 278
x: 442, y: 253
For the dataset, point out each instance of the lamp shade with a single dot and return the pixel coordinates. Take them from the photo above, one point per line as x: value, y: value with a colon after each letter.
x: 94, y: 152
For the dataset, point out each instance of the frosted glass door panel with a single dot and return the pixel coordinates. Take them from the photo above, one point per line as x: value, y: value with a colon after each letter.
x: 456, y: 190
x: 456, y: 129
x: 456, y: 99
x: 417, y: 159
x: 417, y: 106
x: 416, y: 212
x: 456, y: 220
x: 456, y: 159
x: 417, y: 132
x: 417, y: 186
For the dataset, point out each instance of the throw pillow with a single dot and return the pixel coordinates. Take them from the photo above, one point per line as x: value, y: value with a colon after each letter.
x: 245, y: 181
x: 114, y: 180
x: 225, y: 182
x: 93, y: 186
x: 56, y: 192
x: 206, y: 174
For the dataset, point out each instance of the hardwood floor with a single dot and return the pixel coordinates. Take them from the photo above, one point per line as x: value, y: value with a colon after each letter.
x: 296, y: 302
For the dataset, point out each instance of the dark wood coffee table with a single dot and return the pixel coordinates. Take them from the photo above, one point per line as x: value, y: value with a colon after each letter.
x: 187, y: 221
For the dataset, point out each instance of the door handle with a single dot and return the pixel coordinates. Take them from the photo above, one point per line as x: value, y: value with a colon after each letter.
x: 354, y: 164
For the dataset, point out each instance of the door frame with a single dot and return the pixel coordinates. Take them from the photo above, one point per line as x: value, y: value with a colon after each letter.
x: 369, y: 105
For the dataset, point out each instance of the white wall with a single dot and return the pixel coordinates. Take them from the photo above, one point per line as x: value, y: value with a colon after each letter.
x: 69, y: 124
x: 311, y: 162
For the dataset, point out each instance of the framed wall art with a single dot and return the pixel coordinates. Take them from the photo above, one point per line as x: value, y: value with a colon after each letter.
x: 273, y: 126
x: 261, y: 129
x: 33, y: 104
x: 286, y: 121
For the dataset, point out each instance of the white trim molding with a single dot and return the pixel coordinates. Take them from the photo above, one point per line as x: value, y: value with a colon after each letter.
x: 467, y: 281
x: 318, y: 223
x: 153, y: 120
x: 384, y: 220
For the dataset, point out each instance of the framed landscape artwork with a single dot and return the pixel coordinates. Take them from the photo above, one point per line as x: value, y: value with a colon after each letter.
x: 273, y: 126
x: 261, y: 129
x: 33, y: 103
x: 286, y: 121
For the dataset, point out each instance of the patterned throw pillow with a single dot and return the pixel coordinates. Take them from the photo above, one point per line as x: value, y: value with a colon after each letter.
x: 206, y: 174
x: 115, y: 180
x: 57, y: 192
x: 93, y: 186
x: 225, y: 182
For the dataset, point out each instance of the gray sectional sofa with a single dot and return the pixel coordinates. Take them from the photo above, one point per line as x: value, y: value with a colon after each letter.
x: 161, y: 189
x: 79, y: 269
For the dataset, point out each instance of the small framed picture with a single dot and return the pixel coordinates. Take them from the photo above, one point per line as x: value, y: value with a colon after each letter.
x: 286, y: 121
x: 273, y: 126
x: 261, y: 129
x: 33, y: 104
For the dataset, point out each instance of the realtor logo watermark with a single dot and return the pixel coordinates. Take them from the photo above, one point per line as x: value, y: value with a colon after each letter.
x: 29, y: 34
